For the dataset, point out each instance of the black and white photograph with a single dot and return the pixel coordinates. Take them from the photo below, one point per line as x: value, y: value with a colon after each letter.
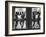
x: 24, y: 18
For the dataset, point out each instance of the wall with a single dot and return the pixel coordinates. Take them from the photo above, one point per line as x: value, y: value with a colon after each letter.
x: 2, y: 18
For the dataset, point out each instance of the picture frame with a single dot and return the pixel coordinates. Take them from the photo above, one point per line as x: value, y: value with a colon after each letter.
x: 23, y: 14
